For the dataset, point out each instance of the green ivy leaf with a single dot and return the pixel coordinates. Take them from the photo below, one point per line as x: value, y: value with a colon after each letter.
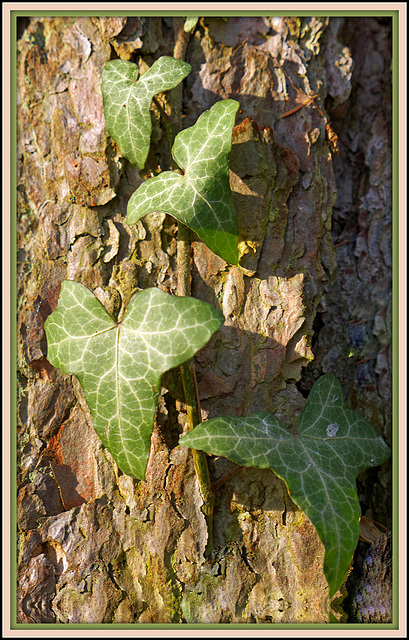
x: 201, y: 198
x: 119, y: 365
x: 190, y: 23
x: 319, y: 464
x: 127, y: 100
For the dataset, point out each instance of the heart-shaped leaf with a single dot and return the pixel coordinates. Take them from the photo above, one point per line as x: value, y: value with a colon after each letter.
x: 127, y: 100
x: 319, y: 464
x: 201, y: 198
x: 119, y: 365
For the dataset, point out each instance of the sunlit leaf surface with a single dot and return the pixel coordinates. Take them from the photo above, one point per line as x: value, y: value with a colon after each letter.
x: 127, y: 99
x: 201, y: 197
x: 119, y: 365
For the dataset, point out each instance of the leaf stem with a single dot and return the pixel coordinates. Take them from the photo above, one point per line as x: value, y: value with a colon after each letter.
x: 187, y: 370
x: 161, y: 110
x: 188, y: 375
x: 183, y: 260
x: 220, y: 481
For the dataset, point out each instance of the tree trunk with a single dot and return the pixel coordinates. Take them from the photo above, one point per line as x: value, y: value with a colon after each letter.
x: 94, y: 544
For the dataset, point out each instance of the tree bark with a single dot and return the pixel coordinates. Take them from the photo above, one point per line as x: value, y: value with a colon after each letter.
x: 95, y: 545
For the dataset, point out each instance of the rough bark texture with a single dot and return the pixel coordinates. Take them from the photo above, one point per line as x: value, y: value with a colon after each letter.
x: 95, y: 545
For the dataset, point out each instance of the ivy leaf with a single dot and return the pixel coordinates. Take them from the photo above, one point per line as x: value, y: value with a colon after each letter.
x: 127, y: 100
x: 201, y: 198
x: 319, y: 464
x: 190, y: 23
x: 119, y: 365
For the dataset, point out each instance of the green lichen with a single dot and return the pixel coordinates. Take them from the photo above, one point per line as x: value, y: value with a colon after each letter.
x: 195, y: 605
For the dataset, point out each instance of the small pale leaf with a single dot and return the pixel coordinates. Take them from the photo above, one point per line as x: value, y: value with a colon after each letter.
x: 319, y: 464
x: 190, y: 23
x: 201, y: 198
x: 127, y: 100
x: 120, y: 365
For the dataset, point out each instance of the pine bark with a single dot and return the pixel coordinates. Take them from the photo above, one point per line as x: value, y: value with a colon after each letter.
x: 314, y: 279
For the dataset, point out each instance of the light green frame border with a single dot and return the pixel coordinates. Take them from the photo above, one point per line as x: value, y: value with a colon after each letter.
x: 394, y: 15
